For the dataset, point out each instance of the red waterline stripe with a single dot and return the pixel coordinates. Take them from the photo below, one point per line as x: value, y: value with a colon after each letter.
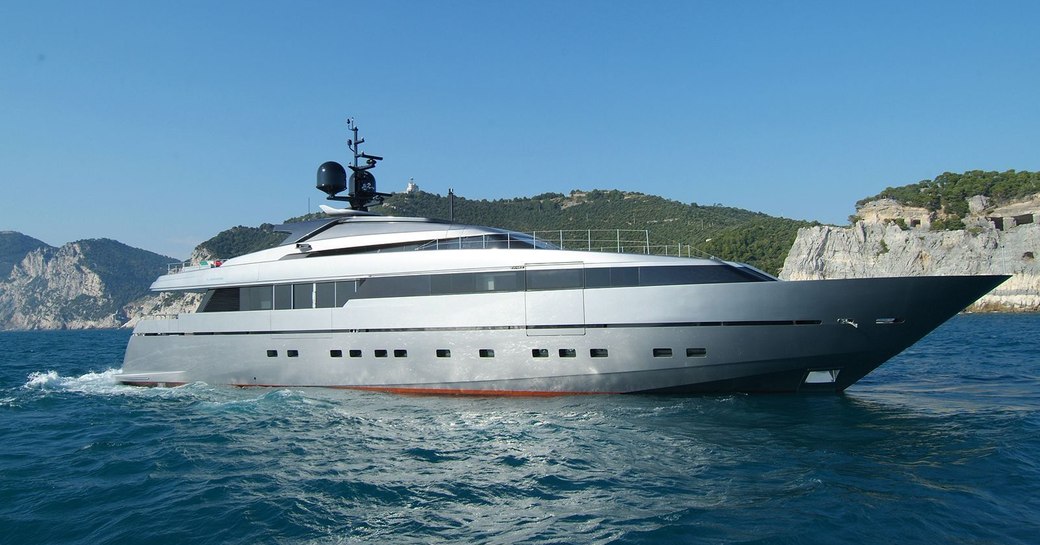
x: 398, y: 390
x: 153, y: 384
x: 437, y: 391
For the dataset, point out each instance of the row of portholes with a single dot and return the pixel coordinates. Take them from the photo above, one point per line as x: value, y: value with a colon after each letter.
x: 490, y: 353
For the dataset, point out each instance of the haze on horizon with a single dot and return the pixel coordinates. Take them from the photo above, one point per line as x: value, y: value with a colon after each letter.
x: 161, y: 124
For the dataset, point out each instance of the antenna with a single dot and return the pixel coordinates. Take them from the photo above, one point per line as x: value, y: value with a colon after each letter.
x: 451, y: 205
x: 332, y: 177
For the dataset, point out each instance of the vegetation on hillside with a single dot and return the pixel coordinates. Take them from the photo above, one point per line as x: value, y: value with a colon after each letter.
x: 724, y: 232
x: 762, y: 242
x: 728, y: 233
x: 13, y: 249
x: 242, y: 240
x: 948, y: 193
x: 126, y: 271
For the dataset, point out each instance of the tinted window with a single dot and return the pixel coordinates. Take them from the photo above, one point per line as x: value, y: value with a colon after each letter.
x: 303, y: 295
x: 557, y: 279
x: 220, y: 300
x: 498, y: 281
x: 597, y: 278
x: 442, y: 284
x: 324, y: 295
x: 282, y: 296
x: 255, y: 298
x: 400, y: 286
x: 699, y: 274
x: 624, y: 276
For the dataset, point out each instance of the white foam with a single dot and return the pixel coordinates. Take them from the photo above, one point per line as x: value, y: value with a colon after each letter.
x: 97, y: 383
x: 42, y: 380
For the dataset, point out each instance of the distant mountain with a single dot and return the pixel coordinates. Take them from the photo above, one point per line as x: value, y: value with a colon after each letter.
x: 82, y: 284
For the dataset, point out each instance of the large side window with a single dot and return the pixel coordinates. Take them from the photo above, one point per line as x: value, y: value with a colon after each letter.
x: 399, y: 286
x: 303, y: 295
x: 325, y: 295
x: 499, y: 281
x: 616, y: 277
x: 256, y: 298
x: 283, y: 296
x: 555, y: 279
x: 220, y: 300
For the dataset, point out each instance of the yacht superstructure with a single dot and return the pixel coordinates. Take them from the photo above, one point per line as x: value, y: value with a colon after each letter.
x: 420, y: 305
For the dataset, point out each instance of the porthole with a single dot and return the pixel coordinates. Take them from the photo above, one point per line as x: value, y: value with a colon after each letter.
x: 272, y: 353
x: 568, y: 353
x: 336, y: 353
x: 292, y: 353
x: 598, y: 352
x: 355, y: 353
x: 443, y: 353
x: 696, y: 352
x: 487, y: 353
x: 399, y: 353
x: 539, y: 353
x: 662, y: 352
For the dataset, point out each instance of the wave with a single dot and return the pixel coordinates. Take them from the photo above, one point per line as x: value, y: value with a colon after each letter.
x: 207, y: 398
x: 99, y: 383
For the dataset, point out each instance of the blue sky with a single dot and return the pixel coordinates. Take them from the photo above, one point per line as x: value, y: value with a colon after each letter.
x: 160, y: 124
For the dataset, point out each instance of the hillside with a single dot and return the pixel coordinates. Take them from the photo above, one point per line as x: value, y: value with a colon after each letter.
x: 14, y: 247
x: 240, y: 240
x: 947, y: 196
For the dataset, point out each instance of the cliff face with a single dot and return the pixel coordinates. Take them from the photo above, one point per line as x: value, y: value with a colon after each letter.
x: 870, y: 249
x: 84, y: 284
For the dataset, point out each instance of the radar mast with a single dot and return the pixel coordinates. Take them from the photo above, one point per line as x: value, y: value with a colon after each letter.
x: 332, y: 177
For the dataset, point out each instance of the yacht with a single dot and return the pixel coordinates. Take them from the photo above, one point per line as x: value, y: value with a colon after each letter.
x: 426, y: 306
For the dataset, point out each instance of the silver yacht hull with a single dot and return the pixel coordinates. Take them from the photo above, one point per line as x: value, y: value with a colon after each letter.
x: 785, y: 336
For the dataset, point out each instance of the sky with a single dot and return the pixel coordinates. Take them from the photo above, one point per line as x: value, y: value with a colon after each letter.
x: 160, y: 124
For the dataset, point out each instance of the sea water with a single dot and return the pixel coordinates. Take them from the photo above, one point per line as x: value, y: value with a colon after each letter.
x: 939, y: 445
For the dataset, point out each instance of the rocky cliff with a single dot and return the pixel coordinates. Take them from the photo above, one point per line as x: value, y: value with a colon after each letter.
x: 887, y: 248
x: 166, y: 303
x: 83, y: 284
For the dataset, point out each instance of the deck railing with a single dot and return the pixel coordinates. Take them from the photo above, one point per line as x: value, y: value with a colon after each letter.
x: 182, y: 266
x: 624, y: 241
x: 630, y: 241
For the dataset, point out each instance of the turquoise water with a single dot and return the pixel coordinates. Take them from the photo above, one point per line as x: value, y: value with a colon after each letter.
x: 940, y: 445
